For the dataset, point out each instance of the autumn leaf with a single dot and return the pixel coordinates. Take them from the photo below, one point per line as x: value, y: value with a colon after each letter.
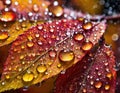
x: 18, y: 17
x: 13, y: 30
x: 95, y: 73
x: 47, y: 49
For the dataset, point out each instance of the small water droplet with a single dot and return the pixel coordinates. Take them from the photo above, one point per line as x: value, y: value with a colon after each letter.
x: 7, y: 76
x: 84, y: 90
x: 98, y: 84
x: 87, y: 46
x: 66, y: 56
x: 87, y: 26
x: 59, y: 65
x: 78, y: 37
x: 3, y: 35
x: 21, y: 57
x: 35, y: 8
x: 30, y: 44
x: 8, y: 16
x: 107, y: 87
x: 41, y: 69
x: 109, y: 75
x: 27, y: 77
x: 80, y: 19
x: 40, y: 27
x: 52, y: 54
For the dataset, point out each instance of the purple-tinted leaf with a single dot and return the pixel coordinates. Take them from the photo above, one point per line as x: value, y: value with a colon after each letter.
x: 93, y: 74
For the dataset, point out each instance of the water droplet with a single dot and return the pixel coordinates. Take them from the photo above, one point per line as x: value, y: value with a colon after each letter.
x: 40, y: 27
x: 84, y: 90
x: 22, y: 47
x: 35, y: 8
x: 87, y: 26
x: 27, y: 77
x: 78, y: 37
x: 87, y: 46
x: 98, y: 84
x: 52, y: 54
x: 21, y: 57
x: 3, y: 35
x: 30, y: 44
x: 80, y: 19
x: 66, y: 56
x: 8, y: 16
x: 107, y: 87
x: 109, y: 75
x: 41, y: 69
x: 7, y: 2
x: 3, y: 83
x: 56, y: 10
x: 59, y: 65
x: 7, y: 76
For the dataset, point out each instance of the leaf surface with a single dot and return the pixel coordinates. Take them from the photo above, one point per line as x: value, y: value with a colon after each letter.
x: 47, y: 49
x: 93, y: 74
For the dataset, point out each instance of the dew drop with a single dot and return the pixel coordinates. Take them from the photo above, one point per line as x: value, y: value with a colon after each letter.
x: 7, y: 76
x: 78, y: 37
x: 84, y: 90
x: 87, y: 46
x: 59, y: 65
x: 109, y: 75
x: 30, y: 44
x: 107, y: 87
x: 35, y: 8
x: 7, y: 2
x: 56, y: 10
x: 4, y: 35
x: 27, y: 77
x: 21, y: 57
x: 87, y: 26
x: 52, y: 54
x: 98, y: 84
x: 80, y: 19
x: 8, y: 16
x: 41, y: 69
x: 66, y: 56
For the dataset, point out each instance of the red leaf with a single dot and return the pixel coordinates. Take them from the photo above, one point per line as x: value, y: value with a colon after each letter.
x: 94, y: 74
x: 48, y: 48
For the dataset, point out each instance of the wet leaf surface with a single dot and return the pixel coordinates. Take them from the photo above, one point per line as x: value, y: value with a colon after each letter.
x: 47, y: 49
x: 95, y: 73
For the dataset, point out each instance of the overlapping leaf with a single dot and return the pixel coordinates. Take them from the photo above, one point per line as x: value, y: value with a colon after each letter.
x: 47, y: 49
x: 94, y: 74
x: 12, y: 30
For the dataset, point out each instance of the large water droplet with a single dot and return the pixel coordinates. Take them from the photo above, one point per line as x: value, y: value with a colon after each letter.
x: 87, y: 26
x: 98, y: 84
x: 27, y: 77
x: 3, y: 35
x: 56, y: 10
x: 7, y: 2
x: 8, y: 16
x: 87, y: 46
x: 66, y: 56
x: 78, y: 37
x: 41, y: 69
